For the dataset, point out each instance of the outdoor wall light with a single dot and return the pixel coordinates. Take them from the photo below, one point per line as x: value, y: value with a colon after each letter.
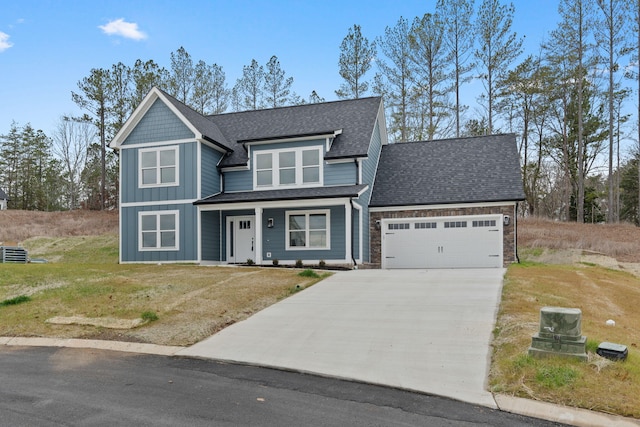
x: 506, y: 220
x: 270, y: 223
x: 377, y: 224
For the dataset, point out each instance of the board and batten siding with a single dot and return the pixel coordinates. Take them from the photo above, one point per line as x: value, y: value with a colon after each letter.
x: 187, y: 243
x: 211, y: 230
x: 274, y: 239
x: 158, y: 124
x: 210, y: 176
x: 187, y: 178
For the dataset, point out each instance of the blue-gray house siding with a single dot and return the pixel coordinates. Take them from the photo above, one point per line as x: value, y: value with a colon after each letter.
x: 210, y: 176
x: 369, y: 167
x: 159, y: 124
x: 187, y: 179
x: 187, y: 225
x: 275, y: 238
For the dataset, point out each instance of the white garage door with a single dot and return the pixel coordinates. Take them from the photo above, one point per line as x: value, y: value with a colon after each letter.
x: 451, y: 242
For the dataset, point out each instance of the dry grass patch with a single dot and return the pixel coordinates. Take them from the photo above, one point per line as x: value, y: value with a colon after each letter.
x: 619, y: 241
x: 601, y: 294
x: 16, y: 226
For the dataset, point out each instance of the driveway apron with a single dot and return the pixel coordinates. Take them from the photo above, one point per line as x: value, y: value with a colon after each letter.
x: 422, y: 330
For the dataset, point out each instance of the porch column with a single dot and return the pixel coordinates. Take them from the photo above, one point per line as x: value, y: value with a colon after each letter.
x: 348, y: 224
x: 258, y: 240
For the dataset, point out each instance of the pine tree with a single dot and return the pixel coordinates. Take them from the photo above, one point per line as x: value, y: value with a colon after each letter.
x: 249, y: 88
x: 498, y: 47
x: 397, y: 75
x: 458, y: 39
x: 356, y: 57
x: 277, y: 88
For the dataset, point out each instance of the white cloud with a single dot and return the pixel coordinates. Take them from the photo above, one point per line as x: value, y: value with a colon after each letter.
x: 120, y: 27
x: 4, y: 42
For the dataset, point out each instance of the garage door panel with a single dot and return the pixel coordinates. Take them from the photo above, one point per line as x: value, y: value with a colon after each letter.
x: 406, y: 248
x: 453, y: 242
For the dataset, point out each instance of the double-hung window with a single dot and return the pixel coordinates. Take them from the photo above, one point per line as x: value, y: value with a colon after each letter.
x: 288, y: 167
x: 158, y: 167
x: 308, y: 230
x: 158, y: 230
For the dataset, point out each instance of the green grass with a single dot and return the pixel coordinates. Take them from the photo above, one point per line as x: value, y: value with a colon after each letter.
x: 309, y: 273
x: 15, y: 301
x: 556, y: 376
x: 149, y: 316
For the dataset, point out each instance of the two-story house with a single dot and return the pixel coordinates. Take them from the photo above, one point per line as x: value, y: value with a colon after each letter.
x: 314, y: 182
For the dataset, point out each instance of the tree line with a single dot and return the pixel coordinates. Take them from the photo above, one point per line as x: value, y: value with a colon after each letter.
x: 568, y: 103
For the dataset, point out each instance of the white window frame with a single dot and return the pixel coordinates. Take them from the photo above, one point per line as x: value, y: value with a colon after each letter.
x: 325, y: 212
x: 157, y: 214
x: 158, y: 182
x: 299, y: 168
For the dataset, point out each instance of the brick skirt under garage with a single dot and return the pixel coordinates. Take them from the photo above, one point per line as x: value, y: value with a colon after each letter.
x: 378, y: 215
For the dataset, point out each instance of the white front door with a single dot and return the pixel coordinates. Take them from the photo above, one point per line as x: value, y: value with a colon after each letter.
x: 241, y: 236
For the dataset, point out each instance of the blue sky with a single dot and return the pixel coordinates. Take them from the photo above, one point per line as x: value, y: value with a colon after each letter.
x: 47, y: 46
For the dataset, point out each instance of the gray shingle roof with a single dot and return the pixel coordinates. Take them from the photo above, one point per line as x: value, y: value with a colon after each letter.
x: 355, y: 117
x: 288, y: 194
x: 479, y: 169
x: 204, y: 126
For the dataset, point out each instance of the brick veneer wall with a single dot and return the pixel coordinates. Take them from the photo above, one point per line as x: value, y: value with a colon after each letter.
x: 508, y: 238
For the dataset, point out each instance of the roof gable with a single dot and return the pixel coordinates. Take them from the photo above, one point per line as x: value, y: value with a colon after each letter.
x: 197, y: 125
x: 159, y: 123
x: 463, y: 170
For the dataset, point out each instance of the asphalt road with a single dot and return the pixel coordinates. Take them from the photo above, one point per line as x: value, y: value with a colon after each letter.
x: 80, y: 387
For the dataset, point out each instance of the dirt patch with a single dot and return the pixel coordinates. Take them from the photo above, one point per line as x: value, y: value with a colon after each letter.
x: 102, y: 322
x: 12, y: 291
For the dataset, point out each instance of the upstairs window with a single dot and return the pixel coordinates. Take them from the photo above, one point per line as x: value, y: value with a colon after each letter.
x: 158, y: 167
x: 288, y: 168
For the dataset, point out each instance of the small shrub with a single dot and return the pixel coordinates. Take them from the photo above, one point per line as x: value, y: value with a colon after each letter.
x: 250, y: 261
x: 322, y: 264
x: 299, y: 263
x: 308, y: 273
x: 556, y: 376
x: 275, y: 262
x: 149, y: 316
x: 14, y: 301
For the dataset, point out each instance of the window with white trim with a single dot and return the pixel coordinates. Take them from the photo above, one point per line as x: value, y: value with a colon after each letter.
x: 158, y: 230
x: 158, y: 167
x: 308, y: 230
x: 288, y: 167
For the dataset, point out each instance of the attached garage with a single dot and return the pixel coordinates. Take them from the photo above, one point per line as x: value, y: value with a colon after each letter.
x: 446, y: 204
x: 449, y: 242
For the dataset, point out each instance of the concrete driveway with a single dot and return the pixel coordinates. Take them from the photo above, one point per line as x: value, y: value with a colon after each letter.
x: 422, y: 330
